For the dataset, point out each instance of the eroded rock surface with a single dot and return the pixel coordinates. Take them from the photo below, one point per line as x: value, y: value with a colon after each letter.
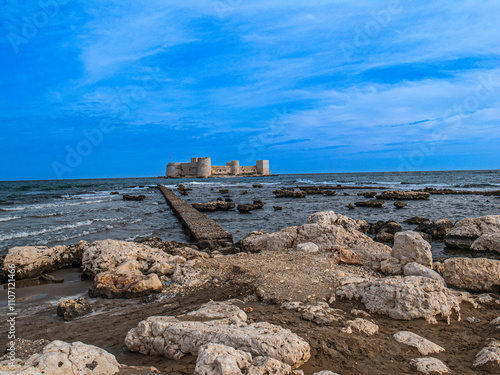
x: 488, y: 358
x: 473, y: 274
x: 430, y: 365
x: 424, y: 346
x: 70, y: 309
x: 466, y: 232
x: 407, y: 298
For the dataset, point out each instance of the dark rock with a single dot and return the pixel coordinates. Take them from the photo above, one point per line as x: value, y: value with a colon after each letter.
x: 70, y: 309
x: 257, y: 185
x: 244, y: 192
x: 330, y: 192
x: 399, y: 204
x: 386, y: 231
x: 258, y: 203
x: 289, y: 193
x: 436, y: 229
x: 246, y: 207
x: 351, y: 206
x: 49, y: 279
x: 277, y: 208
x: 184, y: 192
x: 114, y: 193
x: 128, y: 197
x: 403, y: 195
x: 426, y: 236
x: 224, y: 191
x: 347, y: 194
x: 218, y: 205
x: 368, y: 194
x: 376, y: 203
x: 415, y: 220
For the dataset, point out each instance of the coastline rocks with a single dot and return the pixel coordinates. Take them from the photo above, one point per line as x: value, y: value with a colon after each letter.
x: 172, y: 338
x: 327, y: 230
x: 407, y: 298
x: 218, y: 310
x: 386, y: 231
x: 308, y: 247
x: 415, y: 220
x: 62, y: 358
x: 488, y: 358
x: 375, y: 203
x: 467, y: 231
x: 128, y: 197
x: 424, y: 346
x: 351, y: 206
x: 289, y: 193
x: 403, y: 195
x: 217, y: 205
x: 415, y: 269
x: 436, y: 229
x: 360, y: 325
x: 411, y: 247
x: 70, y: 309
x: 473, y: 274
x: 430, y: 365
x: 217, y: 359
x: 130, y: 284
x: 32, y: 261
x: 247, y: 207
x: 400, y: 205
x: 127, y: 269
x: 320, y: 314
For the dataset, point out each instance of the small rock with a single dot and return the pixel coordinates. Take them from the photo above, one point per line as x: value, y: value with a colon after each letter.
x: 70, y: 309
x: 308, y: 247
x: 128, y: 197
x: 400, y: 205
x: 351, y: 206
x: 51, y: 279
x: 360, y: 325
x: 424, y: 346
x: 430, y: 365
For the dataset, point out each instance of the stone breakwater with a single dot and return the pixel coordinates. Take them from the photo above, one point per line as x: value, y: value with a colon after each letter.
x: 322, y: 296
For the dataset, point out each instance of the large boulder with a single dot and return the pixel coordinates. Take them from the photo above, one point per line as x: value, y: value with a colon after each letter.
x: 436, y: 229
x: 62, y: 358
x: 405, y: 298
x: 327, y: 230
x: 415, y: 269
x: 131, y: 284
x: 466, y: 232
x: 173, y: 338
x: 473, y: 274
x: 32, y: 261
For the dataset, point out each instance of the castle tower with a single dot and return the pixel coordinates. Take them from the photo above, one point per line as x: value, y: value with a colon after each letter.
x: 234, y: 167
x: 204, y: 168
x: 174, y: 169
x: 263, y: 167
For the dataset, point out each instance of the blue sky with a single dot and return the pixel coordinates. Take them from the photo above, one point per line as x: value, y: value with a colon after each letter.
x: 120, y: 88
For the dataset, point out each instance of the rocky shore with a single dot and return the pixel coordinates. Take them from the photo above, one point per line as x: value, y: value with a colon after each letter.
x: 320, y: 298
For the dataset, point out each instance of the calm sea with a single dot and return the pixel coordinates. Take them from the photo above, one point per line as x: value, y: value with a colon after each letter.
x: 66, y: 211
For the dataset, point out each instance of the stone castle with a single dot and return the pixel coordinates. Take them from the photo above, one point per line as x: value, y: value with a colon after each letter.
x: 203, y: 168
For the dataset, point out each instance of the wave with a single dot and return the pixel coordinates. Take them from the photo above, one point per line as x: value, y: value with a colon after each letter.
x: 43, y: 231
x: 46, y: 215
x: 9, y: 218
x: 50, y: 205
x: 481, y: 185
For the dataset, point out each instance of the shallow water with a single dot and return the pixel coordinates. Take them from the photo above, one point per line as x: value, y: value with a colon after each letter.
x: 66, y: 211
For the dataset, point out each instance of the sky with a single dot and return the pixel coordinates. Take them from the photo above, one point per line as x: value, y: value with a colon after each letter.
x: 92, y: 89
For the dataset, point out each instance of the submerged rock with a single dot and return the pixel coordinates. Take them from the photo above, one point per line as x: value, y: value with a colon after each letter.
x: 403, y: 195
x: 415, y: 220
x: 214, y: 206
x: 373, y: 203
x: 289, y: 193
x: 128, y: 197
x: 436, y: 229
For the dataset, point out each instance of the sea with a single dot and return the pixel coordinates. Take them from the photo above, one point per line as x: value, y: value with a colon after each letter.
x: 58, y: 212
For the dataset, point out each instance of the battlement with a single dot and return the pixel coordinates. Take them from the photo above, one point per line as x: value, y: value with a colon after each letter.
x: 203, y: 168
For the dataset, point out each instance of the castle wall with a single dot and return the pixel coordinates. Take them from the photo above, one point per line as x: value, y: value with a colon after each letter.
x: 248, y: 169
x: 263, y: 167
x: 220, y: 169
x: 204, y: 167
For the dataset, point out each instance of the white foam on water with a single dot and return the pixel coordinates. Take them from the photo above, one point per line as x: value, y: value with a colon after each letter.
x: 50, y: 205
x: 39, y: 232
x: 9, y: 218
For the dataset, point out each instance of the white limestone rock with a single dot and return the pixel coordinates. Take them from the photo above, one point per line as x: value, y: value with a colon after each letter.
x: 325, y: 229
x: 218, y: 310
x: 325, y: 372
x: 108, y: 255
x: 308, y: 247
x: 62, y: 358
x: 360, y: 325
x: 424, y: 346
x: 473, y: 274
x: 496, y: 322
x: 430, y: 365
x: 167, y: 336
x: 32, y: 261
x: 216, y: 359
x: 488, y: 358
x: 410, y: 247
x: 467, y: 234
x: 321, y: 313
x: 415, y: 269
x: 405, y: 298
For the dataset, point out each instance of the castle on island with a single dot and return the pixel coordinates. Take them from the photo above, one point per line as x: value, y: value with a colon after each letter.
x: 203, y: 168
